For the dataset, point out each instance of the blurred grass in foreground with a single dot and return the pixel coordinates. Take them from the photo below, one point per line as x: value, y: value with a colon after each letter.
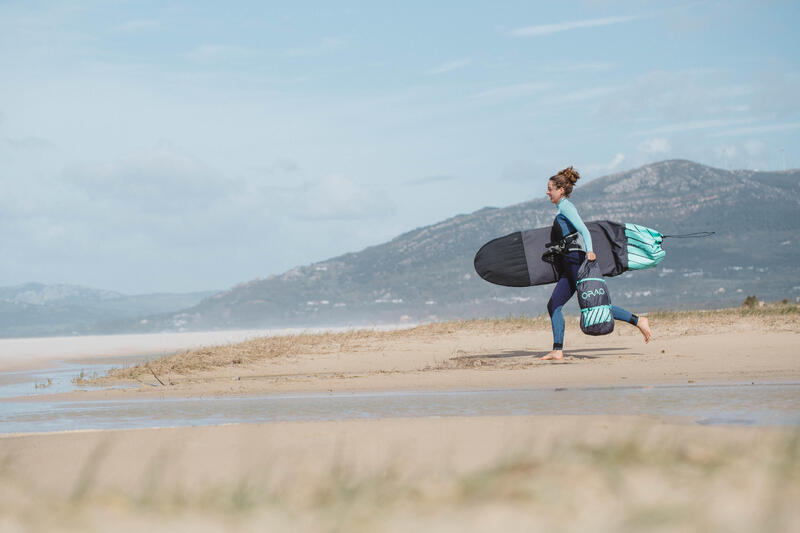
x: 631, y: 479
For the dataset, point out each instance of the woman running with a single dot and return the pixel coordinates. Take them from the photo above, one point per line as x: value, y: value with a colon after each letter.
x: 567, y: 221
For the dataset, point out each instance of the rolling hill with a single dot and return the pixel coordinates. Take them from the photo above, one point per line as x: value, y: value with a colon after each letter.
x: 427, y: 273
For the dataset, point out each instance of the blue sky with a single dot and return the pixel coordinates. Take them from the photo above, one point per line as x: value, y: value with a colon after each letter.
x: 177, y: 146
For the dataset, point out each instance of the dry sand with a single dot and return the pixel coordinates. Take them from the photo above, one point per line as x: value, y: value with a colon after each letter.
x: 435, y: 474
x: 713, y: 347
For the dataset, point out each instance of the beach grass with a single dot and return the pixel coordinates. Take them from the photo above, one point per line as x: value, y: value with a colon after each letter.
x: 778, y: 309
x: 253, y: 350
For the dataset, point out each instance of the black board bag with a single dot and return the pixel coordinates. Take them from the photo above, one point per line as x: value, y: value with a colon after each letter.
x: 515, y: 260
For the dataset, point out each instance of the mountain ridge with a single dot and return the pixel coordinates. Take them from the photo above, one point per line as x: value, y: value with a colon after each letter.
x: 426, y: 273
x: 35, y: 309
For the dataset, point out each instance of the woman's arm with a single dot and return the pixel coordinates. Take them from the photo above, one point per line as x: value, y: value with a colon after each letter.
x: 569, y: 211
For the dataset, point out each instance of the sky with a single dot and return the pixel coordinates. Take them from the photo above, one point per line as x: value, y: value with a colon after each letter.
x: 150, y: 146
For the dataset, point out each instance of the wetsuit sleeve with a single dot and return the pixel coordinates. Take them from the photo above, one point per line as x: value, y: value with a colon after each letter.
x: 569, y: 211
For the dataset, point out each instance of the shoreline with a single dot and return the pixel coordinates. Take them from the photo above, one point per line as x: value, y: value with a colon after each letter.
x: 441, y: 386
x: 33, y: 353
x: 717, y: 404
x: 732, y: 346
x: 693, y: 350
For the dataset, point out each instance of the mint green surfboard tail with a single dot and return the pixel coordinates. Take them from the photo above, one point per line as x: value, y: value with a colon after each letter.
x: 644, y: 247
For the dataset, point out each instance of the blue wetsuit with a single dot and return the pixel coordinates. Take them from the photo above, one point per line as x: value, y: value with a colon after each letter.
x: 568, y: 265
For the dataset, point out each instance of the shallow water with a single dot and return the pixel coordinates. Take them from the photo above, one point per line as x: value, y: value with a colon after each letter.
x: 751, y: 404
x: 57, y: 379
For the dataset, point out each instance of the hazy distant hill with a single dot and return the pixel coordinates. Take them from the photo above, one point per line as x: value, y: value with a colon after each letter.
x: 427, y: 273
x: 34, y: 309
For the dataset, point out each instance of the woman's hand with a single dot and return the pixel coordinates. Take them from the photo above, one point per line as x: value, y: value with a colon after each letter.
x: 590, y: 256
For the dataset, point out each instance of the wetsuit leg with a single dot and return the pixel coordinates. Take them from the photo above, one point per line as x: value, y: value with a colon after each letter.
x: 626, y: 316
x: 561, y: 294
x: 565, y: 288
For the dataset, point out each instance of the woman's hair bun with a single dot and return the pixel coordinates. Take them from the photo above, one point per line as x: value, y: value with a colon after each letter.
x: 566, y: 179
x: 571, y: 174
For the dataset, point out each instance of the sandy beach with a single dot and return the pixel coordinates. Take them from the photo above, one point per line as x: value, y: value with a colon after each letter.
x: 711, y: 347
x: 518, y: 473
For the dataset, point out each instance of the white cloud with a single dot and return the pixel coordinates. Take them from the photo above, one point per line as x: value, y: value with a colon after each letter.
x: 36, y: 144
x: 726, y: 152
x: 335, y: 197
x: 286, y: 164
x: 758, y: 129
x: 162, y: 180
x: 685, y: 100
x: 161, y: 206
x: 657, y: 145
x: 165, y: 218
x: 428, y: 180
x: 547, y: 29
x: 523, y: 171
x: 218, y: 52
x: 579, y: 67
x: 512, y: 91
x: 600, y: 168
x: 585, y: 95
x: 138, y: 25
x: 755, y: 148
x: 327, y: 45
x: 692, y: 125
x: 450, y: 66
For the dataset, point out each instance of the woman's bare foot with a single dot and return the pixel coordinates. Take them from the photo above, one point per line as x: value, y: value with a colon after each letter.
x: 555, y: 354
x: 644, y: 327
